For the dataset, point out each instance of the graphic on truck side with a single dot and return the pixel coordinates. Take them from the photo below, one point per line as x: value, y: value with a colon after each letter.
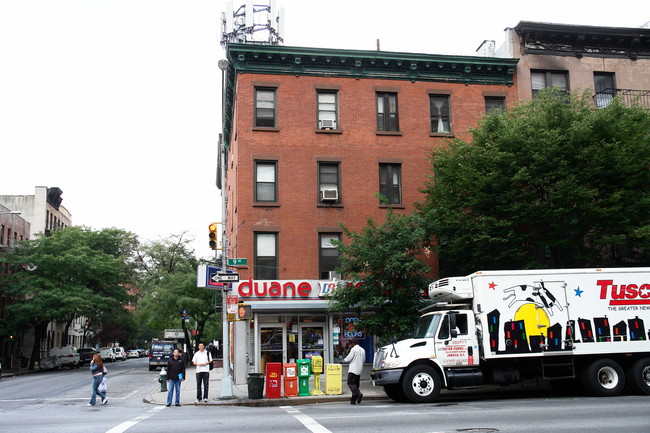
x: 530, y: 316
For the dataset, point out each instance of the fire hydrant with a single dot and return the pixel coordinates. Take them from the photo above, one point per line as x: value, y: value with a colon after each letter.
x: 163, y: 380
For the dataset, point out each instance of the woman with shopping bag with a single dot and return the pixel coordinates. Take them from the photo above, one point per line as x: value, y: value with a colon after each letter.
x: 97, y: 370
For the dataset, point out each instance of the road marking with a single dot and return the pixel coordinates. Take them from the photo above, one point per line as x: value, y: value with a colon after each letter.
x: 306, y: 420
x: 128, y: 424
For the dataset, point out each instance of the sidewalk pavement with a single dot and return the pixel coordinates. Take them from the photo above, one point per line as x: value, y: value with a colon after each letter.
x: 240, y: 392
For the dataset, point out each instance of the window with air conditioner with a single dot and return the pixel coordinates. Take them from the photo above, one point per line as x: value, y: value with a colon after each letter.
x: 328, y: 182
x: 328, y: 256
x: 327, y: 109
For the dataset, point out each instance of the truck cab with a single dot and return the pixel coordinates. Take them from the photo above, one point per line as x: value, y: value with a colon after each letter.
x: 442, y: 352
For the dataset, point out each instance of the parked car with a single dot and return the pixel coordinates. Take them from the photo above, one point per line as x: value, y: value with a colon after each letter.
x: 66, y: 355
x: 85, y: 355
x: 107, y: 354
x: 120, y: 353
x: 133, y: 353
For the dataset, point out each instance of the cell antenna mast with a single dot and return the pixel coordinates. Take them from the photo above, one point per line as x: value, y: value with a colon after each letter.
x: 252, y: 23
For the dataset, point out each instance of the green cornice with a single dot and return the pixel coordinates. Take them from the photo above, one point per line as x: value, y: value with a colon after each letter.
x: 358, y: 64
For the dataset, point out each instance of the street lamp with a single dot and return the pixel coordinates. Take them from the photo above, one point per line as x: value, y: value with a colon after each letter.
x: 11, y: 227
x: 226, y: 380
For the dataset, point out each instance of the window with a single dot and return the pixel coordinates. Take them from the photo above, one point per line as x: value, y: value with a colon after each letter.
x: 547, y: 79
x: 390, y: 182
x: 440, y: 120
x: 387, y: 112
x: 494, y: 103
x: 266, y: 257
x: 265, y: 181
x: 605, y: 88
x: 327, y: 109
x: 328, y: 181
x: 265, y: 108
x: 328, y: 254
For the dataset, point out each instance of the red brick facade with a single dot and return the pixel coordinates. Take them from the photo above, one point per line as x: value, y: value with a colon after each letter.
x: 298, y: 146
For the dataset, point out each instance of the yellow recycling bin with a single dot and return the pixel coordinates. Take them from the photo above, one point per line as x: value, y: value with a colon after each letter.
x: 333, y: 379
x: 317, y: 369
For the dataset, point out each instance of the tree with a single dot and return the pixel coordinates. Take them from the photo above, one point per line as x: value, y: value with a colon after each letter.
x: 73, y: 272
x: 384, y: 275
x: 167, y: 271
x: 554, y: 182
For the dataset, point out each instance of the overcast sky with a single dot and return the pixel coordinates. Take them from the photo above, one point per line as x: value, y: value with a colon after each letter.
x: 117, y: 102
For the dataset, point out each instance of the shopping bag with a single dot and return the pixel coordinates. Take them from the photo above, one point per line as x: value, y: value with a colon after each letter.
x: 102, y: 386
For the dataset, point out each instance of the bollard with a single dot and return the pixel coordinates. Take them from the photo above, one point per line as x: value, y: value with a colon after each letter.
x: 163, y: 380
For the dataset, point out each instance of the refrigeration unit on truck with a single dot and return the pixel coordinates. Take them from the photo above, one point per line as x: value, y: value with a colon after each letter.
x: 573, y: 327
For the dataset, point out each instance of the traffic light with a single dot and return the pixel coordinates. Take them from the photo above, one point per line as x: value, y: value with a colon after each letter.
x: 213, y: 235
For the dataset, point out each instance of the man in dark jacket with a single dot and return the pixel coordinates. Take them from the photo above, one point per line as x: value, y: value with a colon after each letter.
x: 175, y: 374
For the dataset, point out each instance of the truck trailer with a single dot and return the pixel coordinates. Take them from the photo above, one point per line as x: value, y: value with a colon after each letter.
x: 572, y: 327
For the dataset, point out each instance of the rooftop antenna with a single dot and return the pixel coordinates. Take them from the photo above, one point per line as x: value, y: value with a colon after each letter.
x: 261, y: 23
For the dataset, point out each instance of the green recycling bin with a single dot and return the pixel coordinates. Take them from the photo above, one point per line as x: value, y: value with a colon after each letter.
x: 255, y: 385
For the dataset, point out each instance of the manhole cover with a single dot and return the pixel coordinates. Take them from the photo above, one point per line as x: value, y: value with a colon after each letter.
x: 478, y: 429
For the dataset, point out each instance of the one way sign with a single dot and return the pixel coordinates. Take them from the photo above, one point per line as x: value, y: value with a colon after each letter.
x: 211, y: 277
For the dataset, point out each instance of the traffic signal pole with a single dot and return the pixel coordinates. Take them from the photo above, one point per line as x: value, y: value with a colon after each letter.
x: 226, y: 379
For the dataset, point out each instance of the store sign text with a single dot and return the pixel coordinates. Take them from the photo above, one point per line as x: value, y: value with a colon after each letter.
x: 274, y: 289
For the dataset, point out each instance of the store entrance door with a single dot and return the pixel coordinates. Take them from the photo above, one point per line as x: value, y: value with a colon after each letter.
x: 272, y: 348
x: 312, y: 340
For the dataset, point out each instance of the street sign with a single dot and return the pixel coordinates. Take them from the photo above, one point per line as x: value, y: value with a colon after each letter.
x: 228, y: 277
x: 231, y: 306
x: 237, y: 262
x: 208, y: 277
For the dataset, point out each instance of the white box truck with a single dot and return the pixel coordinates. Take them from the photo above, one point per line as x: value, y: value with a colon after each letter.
x: 573, y: 327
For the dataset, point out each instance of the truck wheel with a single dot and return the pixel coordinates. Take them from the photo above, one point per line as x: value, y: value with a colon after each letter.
x: 604, y: 378
x: 394, y: 392
x: 421, y: 384
x: 638, y: 376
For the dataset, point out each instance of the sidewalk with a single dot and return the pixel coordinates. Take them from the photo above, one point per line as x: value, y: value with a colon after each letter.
x: 240, y: 392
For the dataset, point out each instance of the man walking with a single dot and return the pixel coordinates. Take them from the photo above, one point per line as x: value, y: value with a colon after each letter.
x: 356, y: 357
x: 202, y: 359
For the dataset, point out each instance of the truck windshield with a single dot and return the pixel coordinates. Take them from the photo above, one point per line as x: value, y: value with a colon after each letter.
x: 427, y: 326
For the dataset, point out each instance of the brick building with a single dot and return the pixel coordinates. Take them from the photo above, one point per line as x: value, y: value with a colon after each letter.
x: 312, y: 136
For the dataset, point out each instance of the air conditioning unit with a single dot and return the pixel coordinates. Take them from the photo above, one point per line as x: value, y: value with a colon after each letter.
x: 327, y: 124
x: 334, y: 275
x: 329, y: 195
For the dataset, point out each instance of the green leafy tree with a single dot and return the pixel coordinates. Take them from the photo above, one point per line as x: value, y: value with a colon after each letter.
x: 74, y: 272
x: 168, y: 276
x: 384, y: 275
x: 553, y: 182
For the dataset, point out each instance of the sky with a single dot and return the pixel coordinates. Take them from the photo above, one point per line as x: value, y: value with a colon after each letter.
x: 117, y: 102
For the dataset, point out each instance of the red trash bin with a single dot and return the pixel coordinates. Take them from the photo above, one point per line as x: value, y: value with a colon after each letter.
x: 273, y: 379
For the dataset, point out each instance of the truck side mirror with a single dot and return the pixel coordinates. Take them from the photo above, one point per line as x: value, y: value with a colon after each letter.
x: 452, y: 325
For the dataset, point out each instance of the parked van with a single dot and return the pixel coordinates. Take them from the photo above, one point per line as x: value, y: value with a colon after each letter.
x: 159, y: 353
x: 67, y: 356
x: 120, y: 353
x: 107, y: 354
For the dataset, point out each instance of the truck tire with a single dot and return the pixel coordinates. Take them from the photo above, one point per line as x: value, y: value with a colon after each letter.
x: 421, y: 384
x: 638, y: 376
x: 394, y: 392
x: 604, y: 378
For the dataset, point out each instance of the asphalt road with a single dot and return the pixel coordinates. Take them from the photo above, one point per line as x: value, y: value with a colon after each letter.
x: 54, y: 402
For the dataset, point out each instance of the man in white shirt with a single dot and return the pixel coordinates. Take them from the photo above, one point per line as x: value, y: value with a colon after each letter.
x: 356, y: 357
x: 202, y: 360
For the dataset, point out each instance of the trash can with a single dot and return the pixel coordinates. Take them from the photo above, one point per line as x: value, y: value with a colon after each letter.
x: 255, y: 385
